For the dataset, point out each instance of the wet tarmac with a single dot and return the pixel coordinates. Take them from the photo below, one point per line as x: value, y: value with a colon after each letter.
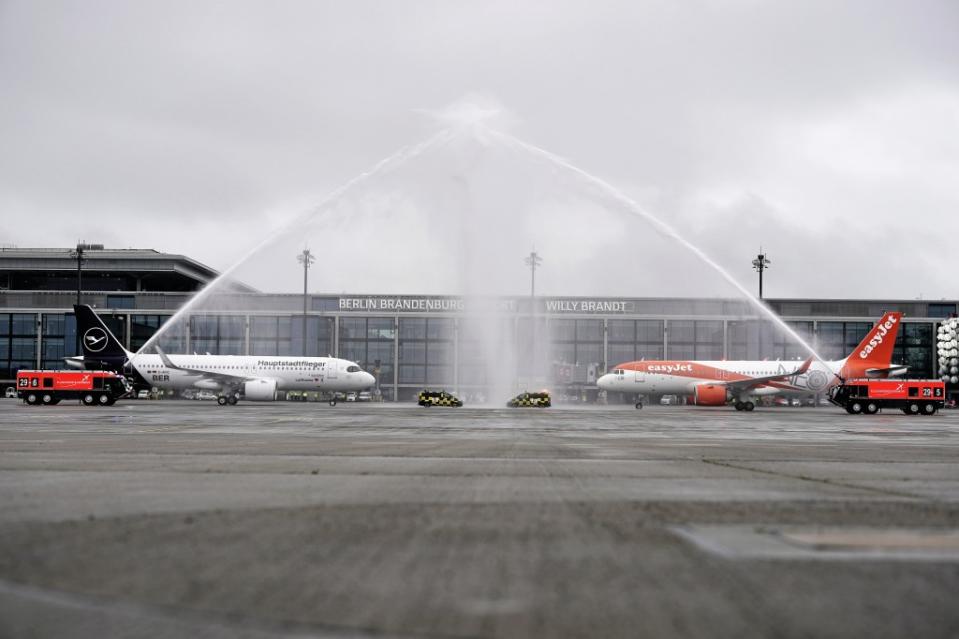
x: 172, y: 519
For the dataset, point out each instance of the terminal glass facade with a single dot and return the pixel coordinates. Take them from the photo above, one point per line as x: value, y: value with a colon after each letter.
x: 142, y: 328
x: 915, y: 346
x: 837, y: 339
x: 426, y: 351
x: 18, y: 342
x: 369, y: 341
x: 407, y: 352
x: 694, y: 339
x: 763, y: 340
x: 577, y: 341
x: 59, y: 339
x: 632, y: 340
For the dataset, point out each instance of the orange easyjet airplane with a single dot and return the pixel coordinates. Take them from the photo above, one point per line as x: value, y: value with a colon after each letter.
x: 740, y: 382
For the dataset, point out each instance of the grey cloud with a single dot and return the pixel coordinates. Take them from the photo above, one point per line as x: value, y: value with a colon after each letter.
x: 218, y: 117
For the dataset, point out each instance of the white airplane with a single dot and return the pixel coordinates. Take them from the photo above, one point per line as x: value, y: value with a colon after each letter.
x: 257, y: 378
x: 741, y: 382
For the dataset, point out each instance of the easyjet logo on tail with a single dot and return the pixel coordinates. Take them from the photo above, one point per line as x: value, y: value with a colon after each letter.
x: 879, y: 335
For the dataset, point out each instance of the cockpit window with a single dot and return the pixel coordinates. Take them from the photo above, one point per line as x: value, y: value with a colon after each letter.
x: 619, y: 371
x: 353, y: 369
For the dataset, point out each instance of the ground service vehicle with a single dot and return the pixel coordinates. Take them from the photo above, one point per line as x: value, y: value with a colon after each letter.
x: 869, y: 396
x: 523, y: 400
x: 438, y: 398
x: 93, y: 388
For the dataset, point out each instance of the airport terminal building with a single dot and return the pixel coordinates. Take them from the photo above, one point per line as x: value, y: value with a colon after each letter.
x: 413, y: 341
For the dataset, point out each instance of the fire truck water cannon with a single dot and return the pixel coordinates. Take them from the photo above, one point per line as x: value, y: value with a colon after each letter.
x: 947, y: 347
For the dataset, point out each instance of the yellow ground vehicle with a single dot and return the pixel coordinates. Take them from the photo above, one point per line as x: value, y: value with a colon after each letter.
x: 523, y: 400
x: 438, y: 398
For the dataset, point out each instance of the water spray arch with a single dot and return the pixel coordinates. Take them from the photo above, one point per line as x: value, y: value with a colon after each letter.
x: 469, y: 156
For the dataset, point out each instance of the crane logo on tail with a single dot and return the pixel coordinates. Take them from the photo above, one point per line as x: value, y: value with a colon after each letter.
x: 95, y: 339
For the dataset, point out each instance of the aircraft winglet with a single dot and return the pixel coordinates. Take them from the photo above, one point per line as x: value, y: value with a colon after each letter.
x: 166, y: 360
x: 805, y: 366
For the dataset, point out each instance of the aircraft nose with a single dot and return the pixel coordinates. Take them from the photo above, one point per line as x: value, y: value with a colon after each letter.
x: 605, y: 382
x: 367, y: 379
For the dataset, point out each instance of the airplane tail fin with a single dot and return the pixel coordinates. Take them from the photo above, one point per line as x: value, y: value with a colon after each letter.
x: 98, y: 343
x: 874, y: 353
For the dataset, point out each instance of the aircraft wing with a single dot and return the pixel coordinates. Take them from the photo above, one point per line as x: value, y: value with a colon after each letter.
x: 226, y: 378
x: 74, y: 362
x: 892, y: 371
x: 744, y: 384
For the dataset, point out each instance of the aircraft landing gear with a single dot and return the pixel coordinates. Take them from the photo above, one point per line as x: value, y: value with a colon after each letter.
x: 333, y: 402
x: 230, y: 399
x: 639, y: 405
x: 746, y: 406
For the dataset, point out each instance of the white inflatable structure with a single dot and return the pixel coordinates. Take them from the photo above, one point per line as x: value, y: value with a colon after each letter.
x: 947, y: 345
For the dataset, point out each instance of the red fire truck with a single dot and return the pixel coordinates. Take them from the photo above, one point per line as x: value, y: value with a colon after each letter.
x: 869, y: 396
x: 93, y: 388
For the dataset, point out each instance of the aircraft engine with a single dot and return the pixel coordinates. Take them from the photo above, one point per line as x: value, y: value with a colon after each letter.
x: 260, y: 390
x: 709, y: 395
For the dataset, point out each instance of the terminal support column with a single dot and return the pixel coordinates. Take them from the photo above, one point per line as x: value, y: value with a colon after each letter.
x: 725, y: 339
x: 456, y: 354
x: 39, y: 339
x: 396, y: 357
x: 665, y: 338
x: 606, y: 348
x: 336, y: 336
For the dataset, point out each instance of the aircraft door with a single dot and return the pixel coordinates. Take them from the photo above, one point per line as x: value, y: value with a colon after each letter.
x: 645, y: 383
x: 331, y: 372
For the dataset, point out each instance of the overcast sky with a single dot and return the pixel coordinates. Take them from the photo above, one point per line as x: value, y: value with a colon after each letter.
x: 827, y: 132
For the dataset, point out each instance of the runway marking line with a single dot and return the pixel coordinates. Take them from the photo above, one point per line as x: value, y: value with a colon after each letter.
x: 822, y: 480
x: 227, y: 622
